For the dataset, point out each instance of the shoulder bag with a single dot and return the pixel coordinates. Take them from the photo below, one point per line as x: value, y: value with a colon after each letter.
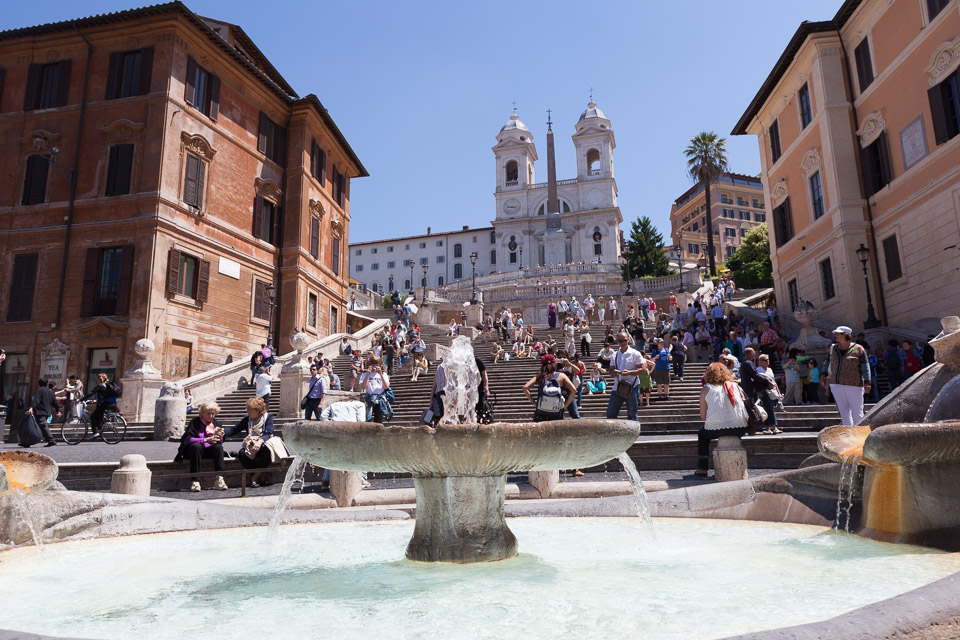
x: 303, y: 402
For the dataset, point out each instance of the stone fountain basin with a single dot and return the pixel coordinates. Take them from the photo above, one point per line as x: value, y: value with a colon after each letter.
x: 907, y: 444
x: 25, y: 470
x: 461, y: 450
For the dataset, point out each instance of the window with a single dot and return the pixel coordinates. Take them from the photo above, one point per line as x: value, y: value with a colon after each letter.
x: 202, y: 90
x: 725, y: 199
x: 315, y: 238
x: 358, y: 252
x: 593, y: 162
x: 187, y: 276
x: 407, y: 262
x: 358, y: 268
x: 597, y: 249
x: 693, y: 248
x: 729, y: 232
x: 774, y: 133
x: 945, y: 108
x: 193, y: 180
x: 794, y: 295
x: 334, y: 320
x: 759, y: 217
x: 424, y: 260
x: 457, y: 271
x: 826, y: 279
x: 392, y: 265
x: 440, y: 259
x: 106, y: 281
x: 741, y: 201
x: 375, y: 266
x: 744, y: 215
x: 311, y: 310
x: 730, y: 250
x: 440, y: 281
x: 272, y: 139
x: 458, y: 250
x: 335, y: 255
x: 373, y: 249
x: 875, y: 163
x: 423, y: 245
x: 891, y: 256
x: 406, y: 284
x: 756, y: 204
x: 861, y: 56
x: 406, y: 247
x: 35, y: 179
x: 934, y: 7
x: 47, y: 85
x: 261, y: 300
x: 806, y: 115
x: 513, y: 257
x: 512, y: 172
x: 119, y: 170
x: 728, y: 213
x: 493, y: 237
x: 743, y: 231
x: 493, y: 256
x: 22, y: 286
x: 695, y: 227
x: 264, y: 218
x: 339, y: 187
x: 128, y: 73
x: 439, y: 243
x: 783, y: 223
x: 390, y: 249
x: 816, y: 196
x: 318, y: 163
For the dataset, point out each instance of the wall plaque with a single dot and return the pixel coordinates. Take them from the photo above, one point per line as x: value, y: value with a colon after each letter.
x: 913, y: 142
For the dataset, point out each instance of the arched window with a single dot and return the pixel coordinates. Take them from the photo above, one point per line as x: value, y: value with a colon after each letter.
x: 564, y: 207
x: 390, y: 283
x: 593, y: 162
x: 512, y: 246
x: 375, y: 287
x: 458, y: 250
x: 440, y: 281
x: 457, y: 271
x: 406, y: 284
x: 513, y: 172
x: 597, y: 244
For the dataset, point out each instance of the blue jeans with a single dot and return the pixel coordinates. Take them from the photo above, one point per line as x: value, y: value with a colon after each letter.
x: 615, y: 402
x: 580, y: 394
x: 313, y: 406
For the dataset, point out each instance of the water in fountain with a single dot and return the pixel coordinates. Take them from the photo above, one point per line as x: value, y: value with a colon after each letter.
x: 639, y: 493
x: 294, y: 474
x: 29, y: 517
x: 845, y: 487
x: 462, y: 383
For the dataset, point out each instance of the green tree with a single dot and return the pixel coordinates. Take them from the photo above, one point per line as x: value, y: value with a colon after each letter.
x: 644, y: 251
x: 750, y: 265
x: 706, y: 162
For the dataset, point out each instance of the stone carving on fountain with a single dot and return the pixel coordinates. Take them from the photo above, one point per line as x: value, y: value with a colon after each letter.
x: 910, y: 448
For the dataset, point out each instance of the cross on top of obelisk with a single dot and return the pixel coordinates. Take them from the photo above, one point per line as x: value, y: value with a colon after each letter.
x: 549, y: 121
x: 514, y: 106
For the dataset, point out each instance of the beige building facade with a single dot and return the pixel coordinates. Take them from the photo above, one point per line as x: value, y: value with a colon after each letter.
x: 858, y: 127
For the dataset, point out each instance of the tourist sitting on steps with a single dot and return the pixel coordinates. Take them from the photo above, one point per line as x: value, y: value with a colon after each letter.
x: 722, y: 409
x: 597, y: 383
x: 420, y: 365
x: 260, y: 446
x: 203, y: 438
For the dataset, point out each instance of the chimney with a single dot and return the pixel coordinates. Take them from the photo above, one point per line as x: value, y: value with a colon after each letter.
x: 466, y: 227
x: 428, y: 230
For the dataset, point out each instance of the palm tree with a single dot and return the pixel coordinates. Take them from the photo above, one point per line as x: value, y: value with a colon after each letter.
x: 706, y: 162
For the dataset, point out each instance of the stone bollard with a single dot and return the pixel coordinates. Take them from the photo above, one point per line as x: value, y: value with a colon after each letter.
x: 132, y: 477
x: 544, y: 481
x: 344, y: 486
x: 170, y: 413
x: 730, y: 459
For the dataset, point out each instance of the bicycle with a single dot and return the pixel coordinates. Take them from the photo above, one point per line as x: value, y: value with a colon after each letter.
x: 113, y: 428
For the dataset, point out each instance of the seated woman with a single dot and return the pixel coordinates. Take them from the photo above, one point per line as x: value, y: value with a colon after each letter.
x: 260, y: 446
x: 452, y: 329
x: 203, y: 438
x: 420, y: 365
x: 496, y: 352
x: 189, y: 398
x: 596, y: 383
x: 722, y: 409
x: 519, y: 350
x: 537, y: 349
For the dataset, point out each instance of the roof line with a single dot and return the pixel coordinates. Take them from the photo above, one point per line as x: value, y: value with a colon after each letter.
x: 422, y: 235
x: 313, y: 101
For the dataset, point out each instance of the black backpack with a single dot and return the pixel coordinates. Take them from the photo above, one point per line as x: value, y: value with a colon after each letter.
x: 114, y: 388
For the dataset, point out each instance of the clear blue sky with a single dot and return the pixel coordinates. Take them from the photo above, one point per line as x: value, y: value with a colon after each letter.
x: 420, y: 89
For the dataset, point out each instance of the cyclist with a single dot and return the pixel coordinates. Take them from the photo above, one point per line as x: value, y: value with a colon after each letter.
x: 106, y: 393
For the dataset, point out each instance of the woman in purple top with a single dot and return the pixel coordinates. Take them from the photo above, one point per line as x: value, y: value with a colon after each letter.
x: 203, y: 438
x: 552, y: 314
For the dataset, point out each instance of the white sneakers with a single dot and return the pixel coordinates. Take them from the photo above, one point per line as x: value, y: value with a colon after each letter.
x: 220, y: 485
x: 195, y: 486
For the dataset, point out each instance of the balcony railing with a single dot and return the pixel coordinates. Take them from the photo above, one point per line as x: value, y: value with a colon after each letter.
x: 543, y: 185
x: 595, y: 172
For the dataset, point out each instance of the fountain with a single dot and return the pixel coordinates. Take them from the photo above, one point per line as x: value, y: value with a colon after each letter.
x: 459, y: 470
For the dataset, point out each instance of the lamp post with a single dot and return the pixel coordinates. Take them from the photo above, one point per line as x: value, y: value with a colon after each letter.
x: 626, y: 255
x: 863, y: 254
x: 473, y: 266
x: 272, y: 294
x: 521, y: 257
x: 680, y: 263
x: 424, y: 302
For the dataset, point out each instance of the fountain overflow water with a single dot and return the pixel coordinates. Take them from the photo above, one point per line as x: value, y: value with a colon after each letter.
x: 294, y: 474
x: 639, y: 494
x: 462, y: 383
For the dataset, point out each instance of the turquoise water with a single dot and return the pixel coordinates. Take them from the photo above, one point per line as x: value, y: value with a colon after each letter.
x: 575, y: 577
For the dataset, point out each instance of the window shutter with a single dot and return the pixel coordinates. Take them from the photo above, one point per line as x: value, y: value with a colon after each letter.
x: 173, y: 271
x: 280, y: 152
x: 891, y: 255
x: 313, y: 158
x: 64, y: 82
x: 126, y: 279
x: 146, y: 71
x: 193, y: 182
x: 868, y: 168
x: 864, y: 67
x: 112, y: 171
x: 886, y: 169
x: 2, y: 73
x: 201, y: 171
x: 189, y: 90
x: 124, y: 168
x: 214, y: 97
x: 260, y: 299
x: 88, y: 304
x: 23, y: 284
x: 35, y: 182
x: 937, y: 115
x: 262, y: 137
x: 257, y: 217
x: 113, y: 75
x: 315, y: 237
x: 33, y: 84
x: 787, y: 220
x: 203, y: 281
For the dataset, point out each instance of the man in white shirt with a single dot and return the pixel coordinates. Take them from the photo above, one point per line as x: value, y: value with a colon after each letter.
x: 588, y: 305
x: 626, y: 363
x: 569, y: 344
x: 344, y: 411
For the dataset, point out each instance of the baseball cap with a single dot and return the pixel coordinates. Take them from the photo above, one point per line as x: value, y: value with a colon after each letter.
x: 547, y: 357
x: 844, y: 329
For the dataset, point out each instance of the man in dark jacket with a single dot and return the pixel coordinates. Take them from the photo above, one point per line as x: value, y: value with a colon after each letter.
x: 43, y: 405
x: 748, y: 373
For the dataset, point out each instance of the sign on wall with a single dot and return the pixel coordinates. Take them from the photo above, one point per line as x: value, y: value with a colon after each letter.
x: 913, y: 142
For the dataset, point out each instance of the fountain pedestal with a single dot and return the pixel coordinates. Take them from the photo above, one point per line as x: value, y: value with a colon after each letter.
x: 460, y: 519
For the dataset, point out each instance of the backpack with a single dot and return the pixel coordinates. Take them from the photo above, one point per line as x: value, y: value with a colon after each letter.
x: 892, y: 361
x: 114, y: 388
x: 549, y: 400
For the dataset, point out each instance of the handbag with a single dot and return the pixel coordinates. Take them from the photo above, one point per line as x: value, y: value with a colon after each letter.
x: 756, y: 415
x: 303, y: 402
x: 249, y: 444
x: 624, y: 389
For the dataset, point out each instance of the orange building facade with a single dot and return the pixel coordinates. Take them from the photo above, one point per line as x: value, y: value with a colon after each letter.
x: 736, y: 203
x: 162, y: 178
x: 858, y: 127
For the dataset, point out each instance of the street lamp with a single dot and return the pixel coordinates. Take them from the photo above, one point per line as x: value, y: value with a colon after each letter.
x: 272, y: 294
x: 521, y: 256
x: 626, y: 262
x: 863, y: 254
x: 412, y: 288
x: 473, y: 265
x: 424, y: 303
x: 680, y: 262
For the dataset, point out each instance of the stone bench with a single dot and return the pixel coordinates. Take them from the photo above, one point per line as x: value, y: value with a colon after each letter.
x: 730, y: 459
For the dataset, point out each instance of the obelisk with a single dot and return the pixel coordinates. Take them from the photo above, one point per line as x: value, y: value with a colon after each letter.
x: 554, y: 239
